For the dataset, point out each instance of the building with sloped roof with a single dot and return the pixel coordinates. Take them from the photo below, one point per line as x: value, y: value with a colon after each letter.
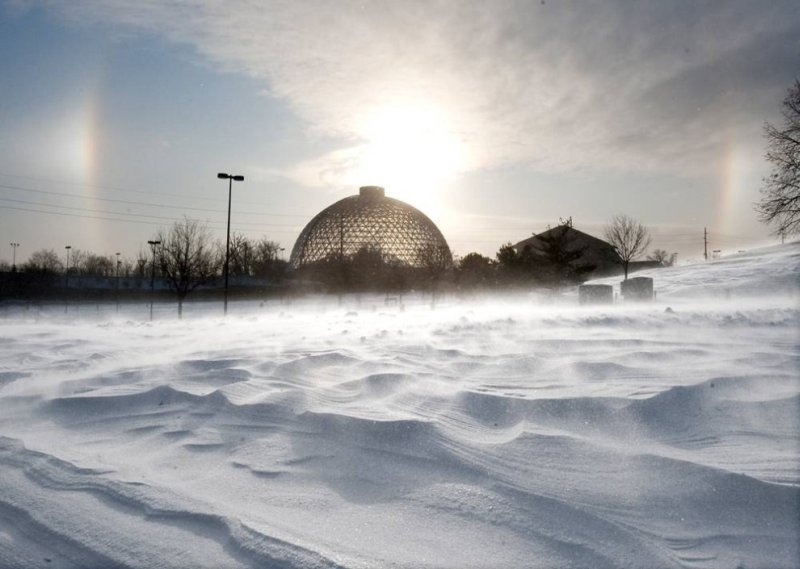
x: 597, y: 256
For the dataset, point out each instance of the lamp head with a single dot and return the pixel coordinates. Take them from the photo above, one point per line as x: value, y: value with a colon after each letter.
x: 238, y: 178
x: 223, y: 176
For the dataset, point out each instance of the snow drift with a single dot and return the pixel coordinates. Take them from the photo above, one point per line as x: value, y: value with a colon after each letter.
x: 491, y: 433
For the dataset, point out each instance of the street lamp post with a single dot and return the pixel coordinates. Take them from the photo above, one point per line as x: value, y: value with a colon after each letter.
x: 66, y: 271
x: 117, y: 295
x: 14, y: 257
x: 153, y: 245
x: 66, y: 281
x: 230, y: 178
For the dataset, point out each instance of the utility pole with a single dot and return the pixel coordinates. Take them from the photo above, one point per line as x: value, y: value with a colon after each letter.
x: 705, y: 243
x: 153, y: 245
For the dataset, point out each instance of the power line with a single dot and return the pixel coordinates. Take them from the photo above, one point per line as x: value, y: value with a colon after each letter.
x: 676, y: 238
x: 114, y: 189
x: 129, y: 214
x: 123, y: 220
x: 145, y: 204
x: 156, y: 220
x: 668, y: 239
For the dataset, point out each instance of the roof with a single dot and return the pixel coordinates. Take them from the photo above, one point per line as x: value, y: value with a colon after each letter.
x: 596, y: 252
x: 371, y: 221
x: 578, y: 239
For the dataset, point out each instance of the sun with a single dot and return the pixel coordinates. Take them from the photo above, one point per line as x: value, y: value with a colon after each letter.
x: 412, y: 150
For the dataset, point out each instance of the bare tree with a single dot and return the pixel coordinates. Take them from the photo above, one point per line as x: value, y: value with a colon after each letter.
x: 97, y: 265
x: 663, y: 258
x: 265, y: 257
x: 127, y: 267
x: 628, y: 237
x: 187, y: 258
x: 77, y: 258
x: 141, y: 263
x: 252, y: 258
x: 43, y: 261
x: 241, y: 255
x: 434, y: 262
x: 780, y: 195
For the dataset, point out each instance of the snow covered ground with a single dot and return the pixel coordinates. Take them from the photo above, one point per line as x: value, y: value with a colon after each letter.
x: 485, y: 433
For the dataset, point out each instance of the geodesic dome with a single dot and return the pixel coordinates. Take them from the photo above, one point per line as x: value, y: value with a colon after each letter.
x: 370, y: 220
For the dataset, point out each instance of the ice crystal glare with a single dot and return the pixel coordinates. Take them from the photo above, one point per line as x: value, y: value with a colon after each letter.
x: 369, y: 220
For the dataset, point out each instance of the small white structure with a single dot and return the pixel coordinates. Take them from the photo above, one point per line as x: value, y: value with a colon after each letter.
x: 637, y: 289
x: 595, y: 294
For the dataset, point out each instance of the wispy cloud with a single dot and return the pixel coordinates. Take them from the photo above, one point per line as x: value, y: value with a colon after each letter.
x: 559, y: 86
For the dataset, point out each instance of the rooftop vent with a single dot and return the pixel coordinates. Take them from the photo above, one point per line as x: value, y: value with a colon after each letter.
x: 371, y: 192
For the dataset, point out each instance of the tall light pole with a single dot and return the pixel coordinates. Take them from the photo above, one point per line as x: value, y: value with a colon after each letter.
x: 230, y: 178
x: 14, y: 257
x: 117, y: 295
x: 153, y: 245
x: 66, y: 272
x: 66, y: 281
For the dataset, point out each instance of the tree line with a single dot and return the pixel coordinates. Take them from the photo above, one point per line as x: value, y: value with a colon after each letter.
x: 553, y: 261
x: 248, y: 257
x: 186, y: 257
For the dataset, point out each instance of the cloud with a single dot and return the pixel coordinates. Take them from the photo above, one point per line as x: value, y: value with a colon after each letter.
x: 558, y: 86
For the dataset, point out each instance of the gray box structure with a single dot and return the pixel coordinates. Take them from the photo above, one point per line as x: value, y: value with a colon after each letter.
x: 637, y: 289
x: 596, y: 294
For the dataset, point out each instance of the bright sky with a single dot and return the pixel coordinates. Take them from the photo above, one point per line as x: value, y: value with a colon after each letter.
x: 494, y: 118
